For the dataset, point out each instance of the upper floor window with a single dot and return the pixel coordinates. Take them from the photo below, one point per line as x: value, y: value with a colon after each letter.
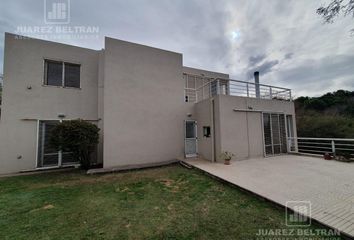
x: 61, y: 74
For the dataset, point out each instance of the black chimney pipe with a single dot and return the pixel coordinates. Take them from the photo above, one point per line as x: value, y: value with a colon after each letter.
x: 256, y: 81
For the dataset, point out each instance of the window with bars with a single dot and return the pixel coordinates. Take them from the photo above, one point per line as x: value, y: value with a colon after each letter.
x: 290, y: 132
x: 192, y: 87
x: 274, y: 129
x: 61, y: 74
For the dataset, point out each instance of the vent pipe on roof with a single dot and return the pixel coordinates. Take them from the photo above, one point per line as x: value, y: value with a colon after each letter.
x: 256, y: 81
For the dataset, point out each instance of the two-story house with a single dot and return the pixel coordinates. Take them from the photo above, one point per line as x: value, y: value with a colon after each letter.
x: 149, y: 107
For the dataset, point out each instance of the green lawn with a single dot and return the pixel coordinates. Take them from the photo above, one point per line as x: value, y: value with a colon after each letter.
x: 162, y: 203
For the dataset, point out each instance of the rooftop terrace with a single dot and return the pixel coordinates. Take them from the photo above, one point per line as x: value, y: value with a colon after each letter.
x: 198, y: 88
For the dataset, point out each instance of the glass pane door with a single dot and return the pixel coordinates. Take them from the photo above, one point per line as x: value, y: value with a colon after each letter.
x: 274, y: 131
x: 190, y: 141
x: 47, y: 155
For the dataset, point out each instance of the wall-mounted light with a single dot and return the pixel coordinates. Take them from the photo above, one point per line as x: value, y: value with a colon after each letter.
x: 61, y: 115
x: 189, y: 115
x: 29, y: 87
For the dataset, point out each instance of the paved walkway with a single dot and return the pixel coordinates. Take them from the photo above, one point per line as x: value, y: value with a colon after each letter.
x: 328, y: 185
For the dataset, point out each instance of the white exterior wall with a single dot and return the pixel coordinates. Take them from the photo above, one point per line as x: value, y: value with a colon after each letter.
x: 133, y: 92
x: 241, y: 131
x: 22, y: 107
x: 203, y: 114
x: 144, y: 106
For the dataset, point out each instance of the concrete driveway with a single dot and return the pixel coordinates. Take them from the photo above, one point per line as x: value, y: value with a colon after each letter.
x: 327, y: 185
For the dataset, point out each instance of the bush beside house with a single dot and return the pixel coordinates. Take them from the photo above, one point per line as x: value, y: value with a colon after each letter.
x: 78, y: 137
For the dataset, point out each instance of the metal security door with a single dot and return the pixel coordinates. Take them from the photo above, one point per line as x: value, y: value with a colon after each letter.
x: 190, y: 140
x: 274, y: 134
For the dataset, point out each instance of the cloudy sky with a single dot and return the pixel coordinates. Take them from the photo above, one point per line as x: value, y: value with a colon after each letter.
x: 284, y: 40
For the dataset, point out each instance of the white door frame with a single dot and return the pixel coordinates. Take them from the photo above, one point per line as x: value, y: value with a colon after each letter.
x: 196, y: 138
x: 60, y: 153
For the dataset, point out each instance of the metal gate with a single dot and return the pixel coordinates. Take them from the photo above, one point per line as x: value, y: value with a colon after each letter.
x: 190, y: 140
x: 274, y: 131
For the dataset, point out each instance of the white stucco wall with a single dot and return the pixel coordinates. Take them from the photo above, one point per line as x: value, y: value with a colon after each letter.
x: 22, y: 107
x: 144, y: 108
x: 241, y: 131
x: 204, y: 117
x: 135, y: 93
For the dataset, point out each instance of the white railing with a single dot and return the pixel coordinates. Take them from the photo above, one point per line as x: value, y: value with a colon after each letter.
x: 320, y: 146
x: 237, y: 88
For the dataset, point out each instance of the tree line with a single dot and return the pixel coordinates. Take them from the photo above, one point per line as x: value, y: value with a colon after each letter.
x: 328, y: 116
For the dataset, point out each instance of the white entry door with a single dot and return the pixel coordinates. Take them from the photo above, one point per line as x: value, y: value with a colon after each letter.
x: 190, y: 140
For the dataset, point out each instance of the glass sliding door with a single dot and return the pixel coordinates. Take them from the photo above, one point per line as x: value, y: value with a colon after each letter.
x: 48, y: 156
x: 282, y: 130
x: 274, y: 131
x: 268, y: 146
x: 290, y: 132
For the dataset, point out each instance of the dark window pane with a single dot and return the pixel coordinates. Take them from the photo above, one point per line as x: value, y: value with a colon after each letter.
x: 68, y: 158
x: 190, y: 129
x: 275, y: 128
x: 47, y: 155
x: 206, y: 131
x: 267, y: 129
x: 54, y: 71
x: 72, y: 75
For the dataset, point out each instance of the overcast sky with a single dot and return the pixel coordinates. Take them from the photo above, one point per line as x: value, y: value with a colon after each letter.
x: 284, y: 40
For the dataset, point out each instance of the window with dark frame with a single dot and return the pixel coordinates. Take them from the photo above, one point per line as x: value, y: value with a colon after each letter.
x: 61, y: 74
x: 54, y: 73
x: 72, y: 75
x: 206, y: 131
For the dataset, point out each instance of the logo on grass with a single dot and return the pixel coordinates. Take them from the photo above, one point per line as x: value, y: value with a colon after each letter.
x: 300, y: 216
x: 56, y: 11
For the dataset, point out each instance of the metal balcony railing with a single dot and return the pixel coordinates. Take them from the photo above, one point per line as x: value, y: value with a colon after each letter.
x: 321, y: 146
x: 236, y: 88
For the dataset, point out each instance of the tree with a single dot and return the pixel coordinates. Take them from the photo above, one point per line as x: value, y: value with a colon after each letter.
x: 336, y: 8
x: 78, y: 137
x: 330, y: 115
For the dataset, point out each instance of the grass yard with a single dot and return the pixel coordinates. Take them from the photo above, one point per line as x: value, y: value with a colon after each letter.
x: 162, y: 203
